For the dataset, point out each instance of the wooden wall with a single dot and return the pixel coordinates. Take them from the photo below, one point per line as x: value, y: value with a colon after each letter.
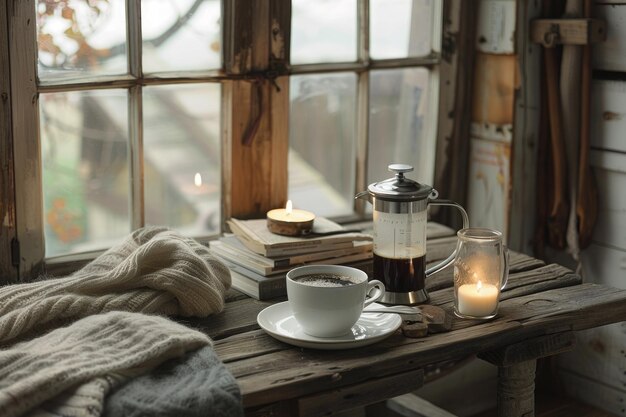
x: 495, y: 82
x: 595, y: 372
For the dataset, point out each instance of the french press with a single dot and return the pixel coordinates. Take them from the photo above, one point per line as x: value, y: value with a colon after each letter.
x: 400, y: 206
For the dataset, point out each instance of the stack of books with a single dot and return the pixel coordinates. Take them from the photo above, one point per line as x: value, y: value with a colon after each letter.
x: 259, y: 259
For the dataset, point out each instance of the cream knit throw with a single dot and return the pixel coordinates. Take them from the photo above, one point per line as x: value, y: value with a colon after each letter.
x: 69, y: 371
x: 154, y: 270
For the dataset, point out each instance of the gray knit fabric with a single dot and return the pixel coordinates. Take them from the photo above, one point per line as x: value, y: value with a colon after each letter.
x: 70, y: 370
x: 45, y: 376
x: 154, y: 270
x: 197, y: 385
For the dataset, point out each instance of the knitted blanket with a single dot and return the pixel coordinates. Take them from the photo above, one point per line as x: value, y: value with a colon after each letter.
x: 85, y: 360
x: 154, y: 270
x: 196, y: 385
x: 50, y: 370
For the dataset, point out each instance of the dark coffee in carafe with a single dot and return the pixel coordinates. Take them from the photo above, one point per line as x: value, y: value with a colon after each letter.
x: 400, y: 275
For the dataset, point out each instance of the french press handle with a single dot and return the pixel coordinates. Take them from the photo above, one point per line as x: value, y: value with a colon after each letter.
x: 448, y: 261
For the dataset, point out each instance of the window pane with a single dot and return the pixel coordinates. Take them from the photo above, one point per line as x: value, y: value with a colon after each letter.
x: 400, y: 28
x: 84, y: 141
x: 322, y: 143
x: 400, y: 130
x: 80, y: 38
x: 323, y: 31
x: 182, y: 157
x: 180, y: 35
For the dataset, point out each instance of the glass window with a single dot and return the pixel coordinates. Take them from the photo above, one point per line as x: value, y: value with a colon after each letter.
x: 322, y: 142
x: 399, y: 122
x: 81, y: 38
x: 182, y: 157
x: 400, y: 28
x: 323, y: 31
x: 180, y: 35
x: 84, y: 150
x: 335, y: 153
x: 90, y: 136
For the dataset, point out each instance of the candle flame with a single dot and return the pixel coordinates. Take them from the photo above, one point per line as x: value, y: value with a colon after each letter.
x: 289, y: 207
x: 197, y: 179
x: 479, y: 286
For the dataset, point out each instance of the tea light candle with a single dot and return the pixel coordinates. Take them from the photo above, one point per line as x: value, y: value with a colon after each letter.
x: 290, y: 221
x: 478, y: 300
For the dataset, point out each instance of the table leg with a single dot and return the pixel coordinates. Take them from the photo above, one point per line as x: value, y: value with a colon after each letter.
x: 517, y: 364
x: 516, y: 389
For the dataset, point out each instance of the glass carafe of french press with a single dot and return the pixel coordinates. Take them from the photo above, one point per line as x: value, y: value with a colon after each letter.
x: 400, y: 206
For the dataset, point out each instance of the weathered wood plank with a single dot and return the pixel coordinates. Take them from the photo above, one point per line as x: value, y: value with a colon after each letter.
x: 610, y: 172
x: 247, y: 345
x: 410, y: 405
x: 440, y: 248
x: 595, y: 393
x: 523, y: 206
x: 280, y: 409
x: 258, y: 137
x: 522, y: 283
x: 539, y: 347
x: 456, y: 70
x: 370, y: 392
x: 608, y: 114
x: 273, y: 377
x: 280, y: 35
x: 610, y: 55
x: 494, y: 83
x: 599, y: 355
x: 256, y: 110
x: 496, y: 26
x: 238, y: 36
x: 238, y: 316
x: 8, y: 272
x: 489, y: 178
x: 518, y: 262
x: 570, y: 31
x: 25, y: 110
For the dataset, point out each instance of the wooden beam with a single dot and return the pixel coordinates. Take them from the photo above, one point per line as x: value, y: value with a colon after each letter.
x: 25, y: 132
x: 369, y: 392
x: 524, y: 150
x: 539, y: 347
x: 8, y: 271
x: 258, y: 137
x: 552, y: 32
x: 256, y: 110
x: 456, y: 75
x: 280, y: 35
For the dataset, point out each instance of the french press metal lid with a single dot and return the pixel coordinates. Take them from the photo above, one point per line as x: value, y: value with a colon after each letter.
x: 400, y: 188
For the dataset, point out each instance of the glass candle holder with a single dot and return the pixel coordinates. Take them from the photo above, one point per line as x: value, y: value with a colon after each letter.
x: 481, y: 270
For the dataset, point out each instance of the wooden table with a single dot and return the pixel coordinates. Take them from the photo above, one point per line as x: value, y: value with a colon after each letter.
x: 541, y: 308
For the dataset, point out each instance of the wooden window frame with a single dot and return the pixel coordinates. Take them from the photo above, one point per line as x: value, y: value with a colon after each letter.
x: 255, y: 95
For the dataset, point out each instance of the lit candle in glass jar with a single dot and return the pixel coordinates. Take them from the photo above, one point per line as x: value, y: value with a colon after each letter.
x: 479, y: 300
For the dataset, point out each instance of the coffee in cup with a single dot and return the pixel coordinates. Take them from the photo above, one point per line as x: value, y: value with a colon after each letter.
x: 327, y: 300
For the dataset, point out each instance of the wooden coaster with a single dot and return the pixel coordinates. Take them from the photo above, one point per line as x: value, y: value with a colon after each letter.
x: 433, y: 319
x: 415, y: 330
x: 437, y: 319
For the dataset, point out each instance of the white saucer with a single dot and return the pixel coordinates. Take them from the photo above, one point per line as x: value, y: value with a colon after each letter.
x: 278, y: 321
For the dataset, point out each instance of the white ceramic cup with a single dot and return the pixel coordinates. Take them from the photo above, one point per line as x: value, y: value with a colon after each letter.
x: 324, y: 311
